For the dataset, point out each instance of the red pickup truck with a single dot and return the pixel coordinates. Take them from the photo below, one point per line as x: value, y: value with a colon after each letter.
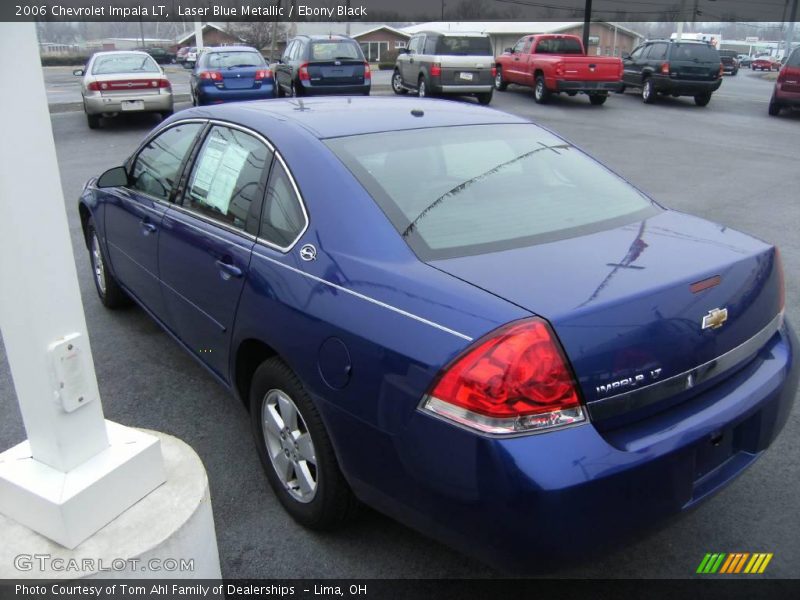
x: 552, y: 63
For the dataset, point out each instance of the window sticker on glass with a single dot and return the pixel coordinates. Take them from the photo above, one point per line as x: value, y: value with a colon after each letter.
x: 218, y: 172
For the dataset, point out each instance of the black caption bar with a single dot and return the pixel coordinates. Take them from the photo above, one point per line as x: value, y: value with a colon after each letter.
x: 394, y: 11
x: 401, y: 589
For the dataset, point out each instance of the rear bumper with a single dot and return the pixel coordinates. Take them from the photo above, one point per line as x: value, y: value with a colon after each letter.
x: 685, y: 87
x: 462, y: 89
x: 97, y: 104
x: 330, y: 90
x: 516, y: 502
x: 786, y: 98
x: 214, y: 95
x: 587, y: 86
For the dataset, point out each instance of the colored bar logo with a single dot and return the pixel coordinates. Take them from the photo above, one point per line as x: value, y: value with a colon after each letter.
x: 733, y: 563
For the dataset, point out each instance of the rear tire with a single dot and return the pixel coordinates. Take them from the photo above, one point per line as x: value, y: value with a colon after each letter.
x: 648, y: 91
x: 702, y: 99
x: 598, y: 99
x: 93, y: 121
x: 108, y: 290
x: 499, y: 84
x: 774, y: 108
x: 541, y: 95
x: 484, y: 99
x: 296, y: 451
x: 397, y: 83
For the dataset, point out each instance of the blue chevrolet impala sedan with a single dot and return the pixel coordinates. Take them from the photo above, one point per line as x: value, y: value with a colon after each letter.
x: 452, y: 315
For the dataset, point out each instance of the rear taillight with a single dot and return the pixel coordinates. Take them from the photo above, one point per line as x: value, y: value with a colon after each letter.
x: 665, y: 68
x: 515, y: 380
x: 367, y: 72
x: 721, y: 69
x: 436, y: 70
x: 782, y: 76
x: 211, y: 75
x: 494, y: 71
x: 560, y: 69
x: 263, y: 74
x: 302, y: 72
x: 96, y: 86
x: 162, y: 83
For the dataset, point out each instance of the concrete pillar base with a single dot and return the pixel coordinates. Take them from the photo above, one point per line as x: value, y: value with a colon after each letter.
x: 167, y: 534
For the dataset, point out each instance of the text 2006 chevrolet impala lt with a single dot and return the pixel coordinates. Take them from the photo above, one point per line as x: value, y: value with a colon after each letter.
x: 452, y: 315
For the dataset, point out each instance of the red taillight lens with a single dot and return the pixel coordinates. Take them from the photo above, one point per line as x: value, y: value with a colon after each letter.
x: 782, y: 75
x: 494, y: 71
x: 513, y: 381
x: 721, y: 69
x: 302, y: 72
x: 263, y: 74
x: 162, y: 83
x: 95, y: 86
x: 665, y: 68
x: 436, y: 70
x: 367, y: 72
x: 560, y: 69
x: 211, y: 75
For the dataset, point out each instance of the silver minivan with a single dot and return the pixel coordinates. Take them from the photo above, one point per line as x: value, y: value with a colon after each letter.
x: 446, y: 63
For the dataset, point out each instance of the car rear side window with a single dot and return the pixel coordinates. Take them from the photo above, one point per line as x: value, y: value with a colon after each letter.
x: 457, y: 191
x: 335, y: 50
x: 451, y: 45
x: 229, y: 60
x: 227, y: 181
x: 282, y: 219
x: 157, y: 166
x: 794, y: 59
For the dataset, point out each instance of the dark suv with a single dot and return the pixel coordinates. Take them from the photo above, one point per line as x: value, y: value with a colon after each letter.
x: 446, y: 63
x: 313, y: 65
x: 673, y: 68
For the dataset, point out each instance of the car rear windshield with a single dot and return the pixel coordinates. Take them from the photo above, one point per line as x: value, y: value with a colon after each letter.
x: 229, y: 60
x: 335, y: 50
x: 451, y: 45
x: 559, y: 46
x: 794, y: 59
x: 457, y: 191
x: 695, y: 53
x: 124, y: 63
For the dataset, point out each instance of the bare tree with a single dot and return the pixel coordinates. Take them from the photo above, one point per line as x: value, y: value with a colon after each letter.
x: 257, y: 33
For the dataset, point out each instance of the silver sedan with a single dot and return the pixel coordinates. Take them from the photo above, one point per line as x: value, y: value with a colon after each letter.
x: 121, y: 82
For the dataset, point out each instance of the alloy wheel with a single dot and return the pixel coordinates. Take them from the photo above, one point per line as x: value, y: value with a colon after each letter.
x: 422, y: 91
x: 98, y: 265
x: 289, y: 445
x: 397, y: 83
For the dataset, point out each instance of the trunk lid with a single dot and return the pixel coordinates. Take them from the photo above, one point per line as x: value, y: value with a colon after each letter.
x: 336, y: 72
x: 239, y: 78
x: 623, y: 305
x: 694, y: 61
x: 591, y: 68
x: 125, y: 84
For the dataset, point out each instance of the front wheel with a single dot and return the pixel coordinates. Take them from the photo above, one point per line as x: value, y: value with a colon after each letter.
x: 422, y: 88
x: 541, y: 94
x: 499, y: 84
x: 598, y: 99
x: 702, y: 99
x: 110, y: 293
x: 648, y: 91
x: 484, y: 99
x: 295, y: 449
x: 397, y: 83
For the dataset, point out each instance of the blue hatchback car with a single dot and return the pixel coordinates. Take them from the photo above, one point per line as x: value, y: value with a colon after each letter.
x: 452, y: 315
x: 230, y: 74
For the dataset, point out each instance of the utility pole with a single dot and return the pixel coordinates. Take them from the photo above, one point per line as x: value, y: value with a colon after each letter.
x: 587, y: 19
x: 274, y: 34
x: 141, y: 31
x: 790, y: 28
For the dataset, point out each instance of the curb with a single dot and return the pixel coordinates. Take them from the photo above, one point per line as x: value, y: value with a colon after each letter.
x: 63, y: 107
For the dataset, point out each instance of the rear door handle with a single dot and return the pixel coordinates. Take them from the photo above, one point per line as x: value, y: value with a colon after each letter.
x: 229, y: 270
x: 147, y: 226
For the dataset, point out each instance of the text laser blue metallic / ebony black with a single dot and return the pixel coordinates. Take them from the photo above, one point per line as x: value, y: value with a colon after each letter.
x: 452, y: 315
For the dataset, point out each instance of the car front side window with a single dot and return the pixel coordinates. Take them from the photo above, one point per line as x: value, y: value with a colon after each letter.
x: 226, y: 183
x: 157, y: 167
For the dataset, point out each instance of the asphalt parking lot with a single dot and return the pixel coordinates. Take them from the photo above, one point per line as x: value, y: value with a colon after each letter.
x: 729, y: 162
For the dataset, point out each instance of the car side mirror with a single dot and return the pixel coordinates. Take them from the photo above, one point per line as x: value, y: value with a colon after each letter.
x: 116, y: 177
x: 78, y: 72
x: 509, y: 51
x: 625, y: 56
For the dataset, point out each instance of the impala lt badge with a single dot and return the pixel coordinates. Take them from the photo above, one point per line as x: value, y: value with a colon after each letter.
x: 715, y: 318
x: 623, y: 385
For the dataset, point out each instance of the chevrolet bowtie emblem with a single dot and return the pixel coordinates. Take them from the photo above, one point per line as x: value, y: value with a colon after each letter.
x: 715, y: 318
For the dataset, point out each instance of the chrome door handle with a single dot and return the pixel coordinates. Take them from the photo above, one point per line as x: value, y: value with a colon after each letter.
x: 147, y: 227
x: 229, y: 269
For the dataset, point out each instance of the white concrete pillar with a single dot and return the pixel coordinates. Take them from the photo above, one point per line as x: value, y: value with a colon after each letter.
x: 198, y: 36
